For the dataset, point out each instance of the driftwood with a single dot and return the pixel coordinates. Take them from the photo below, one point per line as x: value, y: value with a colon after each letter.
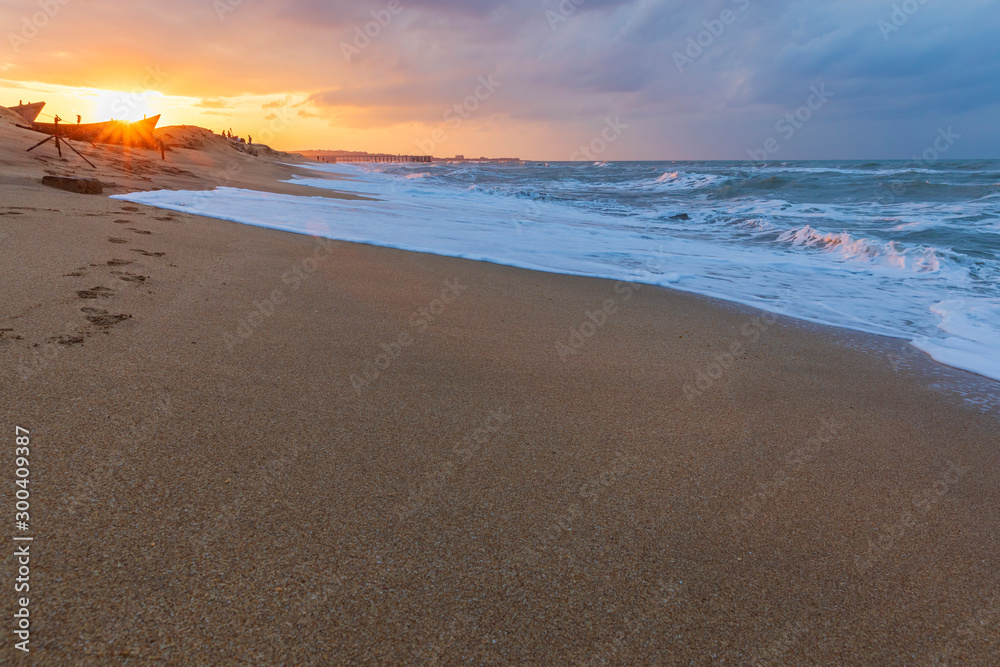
x: 84, y: 186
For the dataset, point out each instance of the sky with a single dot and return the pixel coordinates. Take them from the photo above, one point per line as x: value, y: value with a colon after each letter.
x: 542, y: 79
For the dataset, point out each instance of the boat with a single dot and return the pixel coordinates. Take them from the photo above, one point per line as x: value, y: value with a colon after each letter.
x: 138, y: 133
x: 29, y: 112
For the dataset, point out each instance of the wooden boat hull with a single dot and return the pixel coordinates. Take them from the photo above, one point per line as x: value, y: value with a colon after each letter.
x: 139, y: 133
x: 29, y: 112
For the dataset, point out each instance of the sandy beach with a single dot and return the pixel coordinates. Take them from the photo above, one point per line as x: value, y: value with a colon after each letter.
x: 255, y: 447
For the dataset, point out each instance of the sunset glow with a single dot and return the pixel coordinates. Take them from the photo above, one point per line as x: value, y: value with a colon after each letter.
x: 115, y: 105
x: 358, y: 76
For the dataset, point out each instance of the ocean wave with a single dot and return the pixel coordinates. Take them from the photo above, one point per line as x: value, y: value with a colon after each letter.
x: 971, y: 326
x: 508, y: 191
x: 859, y: 171
x: 684, y: 181
x: 755, y: 225
x: 751, y: 186
x: 920, y: 259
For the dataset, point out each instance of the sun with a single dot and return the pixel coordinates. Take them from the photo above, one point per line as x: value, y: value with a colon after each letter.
x: 114, y: 105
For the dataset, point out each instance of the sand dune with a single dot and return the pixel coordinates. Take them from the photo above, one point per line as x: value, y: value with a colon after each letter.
x: 197, y: 159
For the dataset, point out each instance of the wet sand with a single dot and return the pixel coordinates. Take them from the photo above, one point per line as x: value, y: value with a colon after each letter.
x: 404, y: 458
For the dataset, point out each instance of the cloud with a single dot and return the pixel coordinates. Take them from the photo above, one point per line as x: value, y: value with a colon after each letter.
x: 213, y: 104
x: 601, y: 57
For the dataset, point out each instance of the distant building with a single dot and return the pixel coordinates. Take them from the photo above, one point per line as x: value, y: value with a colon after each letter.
x: 459, y: 157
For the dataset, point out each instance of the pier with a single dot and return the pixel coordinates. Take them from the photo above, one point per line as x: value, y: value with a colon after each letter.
x: 373, y: 158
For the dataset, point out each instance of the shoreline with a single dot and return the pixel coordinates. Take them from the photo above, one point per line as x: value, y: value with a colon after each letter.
x: 482, y: 498
x: 967, y: 387
x: 899, y: 352
x: 309, y: 191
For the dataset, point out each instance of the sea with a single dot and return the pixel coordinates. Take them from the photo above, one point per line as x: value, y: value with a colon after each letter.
x: 906, y: 249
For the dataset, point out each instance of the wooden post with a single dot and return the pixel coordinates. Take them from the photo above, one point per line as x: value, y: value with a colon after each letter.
x: 58, y: 147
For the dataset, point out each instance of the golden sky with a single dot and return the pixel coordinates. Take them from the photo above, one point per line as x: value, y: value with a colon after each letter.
x: 268, y: 70
x: 538, y: 79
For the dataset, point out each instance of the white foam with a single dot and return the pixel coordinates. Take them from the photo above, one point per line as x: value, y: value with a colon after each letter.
x: 687, y: 181
x: 973, y: 343
x: 919, y: 259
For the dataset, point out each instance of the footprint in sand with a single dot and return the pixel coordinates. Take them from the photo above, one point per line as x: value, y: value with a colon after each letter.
x: 146, y: 253
x: 138, y: 231
x: 95, y: 293
x: 130, y: 208
x: 120, y: 262
x: 66, y: 340
x: 130, y: 277
x: 114, y: 239
x: 74, y: 274
x: 122, y: 222
x: 104, y: 319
